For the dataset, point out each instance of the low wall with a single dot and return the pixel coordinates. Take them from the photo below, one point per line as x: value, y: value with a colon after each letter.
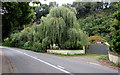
x: 67, y: 51
x: 114, y: 58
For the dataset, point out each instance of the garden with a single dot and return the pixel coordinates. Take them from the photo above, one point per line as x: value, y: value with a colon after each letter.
x: 59, y: 27
x: 68, y: 27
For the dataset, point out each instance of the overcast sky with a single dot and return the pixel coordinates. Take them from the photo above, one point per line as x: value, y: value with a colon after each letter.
x: 60, y: 2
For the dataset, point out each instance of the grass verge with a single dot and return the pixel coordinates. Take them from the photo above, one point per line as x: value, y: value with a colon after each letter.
x: 96, y: 56
x: 105, y: 60
x: 103, y: 57
x: 67, y: 54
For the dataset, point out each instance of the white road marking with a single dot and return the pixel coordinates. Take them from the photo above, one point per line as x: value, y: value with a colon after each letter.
x: 60, y: 66
x: 42, y: 61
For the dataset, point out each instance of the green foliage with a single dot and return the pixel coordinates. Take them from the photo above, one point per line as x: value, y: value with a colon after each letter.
x: 97, y: 24
x: 37, y: 46
x: 46, y: 43
x: 7, y: 42
x: 116, y: 64
x: 54, y: 47
x: 59, y: 27
x: 27, y: 45
x: 41, y: 10
x: 103, y: 57
x: 96, y: 18
x: 115, y: 43
x: 86, y: 8
x: 68, y: 54
x: 15, y: 40
x: 72, y: 45
x: 15, y: 15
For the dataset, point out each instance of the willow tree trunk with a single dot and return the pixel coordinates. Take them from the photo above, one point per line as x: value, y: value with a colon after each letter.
x: 84, y: 49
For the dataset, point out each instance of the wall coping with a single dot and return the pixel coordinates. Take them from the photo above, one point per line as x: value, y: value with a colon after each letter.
x: 116, y: 54
x: 113, y: 58
x: 65, y: 49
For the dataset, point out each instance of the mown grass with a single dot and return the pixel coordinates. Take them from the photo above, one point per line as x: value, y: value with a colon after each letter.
x: 96, y: 56
x: 118, y: 65
x: 67, y: 54
x: 103, y: 57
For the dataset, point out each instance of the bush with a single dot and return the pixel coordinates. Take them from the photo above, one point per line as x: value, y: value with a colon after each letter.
x: 72, y: 45
x: 45, y: 43
x: 115, y: 43
x: 15, y: 40
x: 54, y: 47
x: 27, y: 45
x: 37, y: 46
x: 67, y: 45
x: 7, y: 42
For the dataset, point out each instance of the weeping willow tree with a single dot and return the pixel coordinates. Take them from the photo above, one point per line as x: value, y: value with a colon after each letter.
x: 61, y: 28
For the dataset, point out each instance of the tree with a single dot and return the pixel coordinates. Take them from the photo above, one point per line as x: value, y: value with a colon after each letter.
x: 59, y: 27
x: 52, y: 4
x: 62, y: 28
x: 115, y: 43
x: 84, y: 8
x: 15, y: 15
x: 98, y: 24
x: 40, y: 11
x: 95, y: 39
x: 36, y: 3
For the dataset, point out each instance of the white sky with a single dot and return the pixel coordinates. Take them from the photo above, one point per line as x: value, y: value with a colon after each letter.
x: 60, y: 2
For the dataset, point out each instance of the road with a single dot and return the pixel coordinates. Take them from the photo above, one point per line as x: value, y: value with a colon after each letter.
x: 25, y: 61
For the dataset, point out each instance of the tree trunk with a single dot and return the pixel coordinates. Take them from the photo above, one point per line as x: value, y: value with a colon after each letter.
x: 84, y: 49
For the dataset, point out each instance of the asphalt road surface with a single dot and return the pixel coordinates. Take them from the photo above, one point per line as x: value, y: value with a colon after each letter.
x: 24, y: 61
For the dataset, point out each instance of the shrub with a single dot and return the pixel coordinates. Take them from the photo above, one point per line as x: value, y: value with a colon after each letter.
x: 45, y: 43
x: 37, y: 46
x: 7, y: 42
x: 72, y: 45
x: 54, y: 47
x: 115, y: 43
x: 27, y: 45
x: 15, y: 40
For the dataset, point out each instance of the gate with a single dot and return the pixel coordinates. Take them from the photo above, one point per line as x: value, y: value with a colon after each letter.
x: 98, y: 49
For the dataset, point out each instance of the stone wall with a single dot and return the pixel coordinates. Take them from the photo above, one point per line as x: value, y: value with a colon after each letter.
x: 114, y: 58
x: 67, y: 51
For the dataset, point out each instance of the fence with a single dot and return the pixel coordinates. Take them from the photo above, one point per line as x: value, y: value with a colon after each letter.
x: 98, y: 49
